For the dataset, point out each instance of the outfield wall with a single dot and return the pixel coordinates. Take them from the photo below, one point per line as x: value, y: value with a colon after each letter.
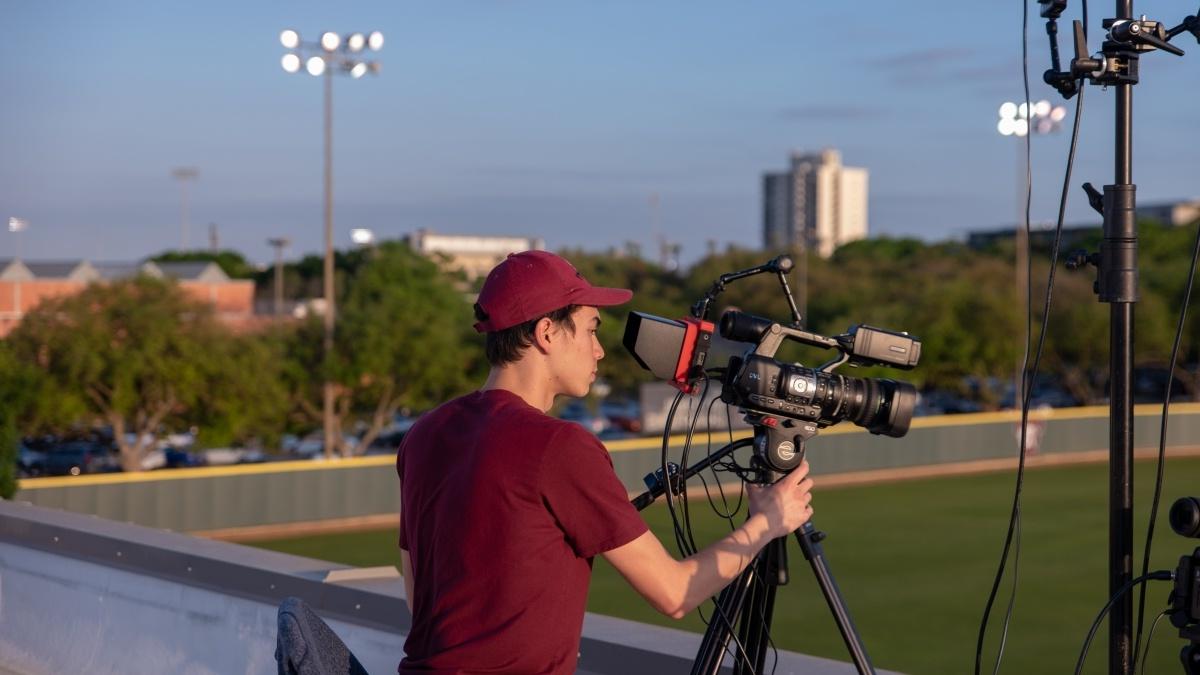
x: 364, y: 489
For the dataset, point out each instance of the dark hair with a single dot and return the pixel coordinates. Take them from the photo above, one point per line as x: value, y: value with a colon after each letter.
x: 505, y: 346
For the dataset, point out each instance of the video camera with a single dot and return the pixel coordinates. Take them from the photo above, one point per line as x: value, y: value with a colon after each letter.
x: 1185, y: 596
x: 772, y: 392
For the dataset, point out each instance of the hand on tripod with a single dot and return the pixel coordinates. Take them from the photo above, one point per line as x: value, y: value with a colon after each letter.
x: 786, y: 504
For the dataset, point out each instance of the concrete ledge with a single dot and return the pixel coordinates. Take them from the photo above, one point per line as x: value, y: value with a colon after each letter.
x: 83, y: 594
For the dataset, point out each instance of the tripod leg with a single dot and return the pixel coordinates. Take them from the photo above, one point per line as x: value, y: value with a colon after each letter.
x: 810, y: 544
x: 723, y: 623
x: 756, y: 615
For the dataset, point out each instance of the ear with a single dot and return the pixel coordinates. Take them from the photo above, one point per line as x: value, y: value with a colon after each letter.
x: 544, y: 334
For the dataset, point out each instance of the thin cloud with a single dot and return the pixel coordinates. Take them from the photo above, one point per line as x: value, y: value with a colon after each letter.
x: 831, y: 111
x: 922, y: 58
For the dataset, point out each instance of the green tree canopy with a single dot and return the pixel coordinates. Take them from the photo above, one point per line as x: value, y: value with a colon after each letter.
x: 136, y: 355
x: 404, y: 339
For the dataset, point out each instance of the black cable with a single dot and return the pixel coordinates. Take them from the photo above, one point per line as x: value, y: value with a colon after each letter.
x: 666, y: 475
x: 1162, y: 434
x: 1028, y: 376
x: 1161, y: 575
x: 1150, y: 637
x: 725, y: 513
x: 1026, y: 385
x: 687, y: 446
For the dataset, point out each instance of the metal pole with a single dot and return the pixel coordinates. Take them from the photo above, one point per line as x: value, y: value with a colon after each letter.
x: 184, y: 224
x: 1022, y: 259
x: 279, y: 243
x: 329, y: 301
x: 1120, y: 240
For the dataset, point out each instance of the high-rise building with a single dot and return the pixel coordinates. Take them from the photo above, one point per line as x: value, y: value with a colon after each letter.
x: 817, y: 204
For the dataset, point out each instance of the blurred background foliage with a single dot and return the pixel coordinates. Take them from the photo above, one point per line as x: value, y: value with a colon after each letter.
x: 140, y: 357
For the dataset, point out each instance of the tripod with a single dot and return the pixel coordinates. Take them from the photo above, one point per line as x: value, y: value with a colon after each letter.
x: 747, y: 604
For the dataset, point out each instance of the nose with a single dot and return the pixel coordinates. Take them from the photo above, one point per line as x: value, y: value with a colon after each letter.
x: 597, y: 349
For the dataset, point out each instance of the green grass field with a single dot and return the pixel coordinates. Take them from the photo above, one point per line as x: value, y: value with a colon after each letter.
x: 915, y: 561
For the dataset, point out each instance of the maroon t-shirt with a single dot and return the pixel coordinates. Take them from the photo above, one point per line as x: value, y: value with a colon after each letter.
x: 503, y: 508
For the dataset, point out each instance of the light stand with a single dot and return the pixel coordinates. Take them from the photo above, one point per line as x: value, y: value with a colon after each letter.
x: 1116, y: 66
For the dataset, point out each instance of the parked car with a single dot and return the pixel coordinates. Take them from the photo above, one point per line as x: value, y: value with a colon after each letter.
x: 30, y: 462
x: 77, y: 457
x: 941, y: 402
x: 577, y: 412
x: 623, y: 414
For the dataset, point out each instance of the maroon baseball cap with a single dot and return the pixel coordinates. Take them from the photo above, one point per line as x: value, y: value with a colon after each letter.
x: 530, y: 284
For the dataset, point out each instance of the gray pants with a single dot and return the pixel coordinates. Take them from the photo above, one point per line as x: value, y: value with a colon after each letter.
x: 306, y: 645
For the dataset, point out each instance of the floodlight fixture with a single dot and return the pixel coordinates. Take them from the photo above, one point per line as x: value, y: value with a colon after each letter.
x: 315, y: 66
x: 356, y: 42
x: 330, y: 41
x: 375, y: 41
x: 358, y: 70
x: 362, y: 236
x: 291, y: 62
x: 289, y: 38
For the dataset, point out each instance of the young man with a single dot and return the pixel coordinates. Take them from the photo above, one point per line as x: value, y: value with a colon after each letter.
x: 504, y: 507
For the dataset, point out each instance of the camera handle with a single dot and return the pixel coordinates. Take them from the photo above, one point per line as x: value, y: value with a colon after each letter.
x: 747, y: 604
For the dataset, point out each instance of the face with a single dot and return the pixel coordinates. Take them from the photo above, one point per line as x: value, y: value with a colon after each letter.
x: 576, y: 358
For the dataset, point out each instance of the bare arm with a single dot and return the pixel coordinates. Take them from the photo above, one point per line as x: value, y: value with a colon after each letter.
x: 676, y: 587
x: 406, y: 570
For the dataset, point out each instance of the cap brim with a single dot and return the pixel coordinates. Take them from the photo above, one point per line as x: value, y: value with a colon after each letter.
x: 598, y: 296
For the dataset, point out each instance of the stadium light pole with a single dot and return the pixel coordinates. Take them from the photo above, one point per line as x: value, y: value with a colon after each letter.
x: 1020, y: 120
x: 279, y: 243
x: 332, y: 53
x: 16, y: 226
x: 183, y: 174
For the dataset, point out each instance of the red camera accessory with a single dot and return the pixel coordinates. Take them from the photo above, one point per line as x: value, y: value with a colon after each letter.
x: 696, y: 341
x: 674, y: 351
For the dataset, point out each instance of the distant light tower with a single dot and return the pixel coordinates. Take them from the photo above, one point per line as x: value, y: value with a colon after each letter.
x: 17, y: 226
x: 331, y: 54
x: 183, y: 174
x: 279, y: 243
x: 1020, y: 120
x: 362, y: 237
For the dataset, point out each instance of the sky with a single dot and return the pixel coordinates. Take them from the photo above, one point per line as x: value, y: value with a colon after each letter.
x: 565, y: 120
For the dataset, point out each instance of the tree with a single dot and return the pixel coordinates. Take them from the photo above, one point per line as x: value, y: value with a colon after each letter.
x: 135, y: 354
x: 16, y: 383
x: 401, y: 341
x: 230, y: 262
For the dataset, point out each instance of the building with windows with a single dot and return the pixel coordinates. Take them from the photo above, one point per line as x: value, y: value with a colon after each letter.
x: 474, y: 255
x: 817, y: 204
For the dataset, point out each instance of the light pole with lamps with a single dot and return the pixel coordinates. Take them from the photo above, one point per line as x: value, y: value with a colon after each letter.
x: 1020, y: 120
x: 16, y: 226
x: 279, y: 243
x: 329, y: 55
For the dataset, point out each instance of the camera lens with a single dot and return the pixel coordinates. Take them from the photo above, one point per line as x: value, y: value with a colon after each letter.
x: 743, y: 327
x: 881, y: 406
x: 1185, y: 517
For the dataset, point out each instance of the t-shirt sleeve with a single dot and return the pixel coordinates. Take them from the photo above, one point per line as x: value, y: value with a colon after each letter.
x: 582, y: 491
x: 403, y: 538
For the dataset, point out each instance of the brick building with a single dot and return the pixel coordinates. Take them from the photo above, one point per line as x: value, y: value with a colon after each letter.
x: 25, y: 284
